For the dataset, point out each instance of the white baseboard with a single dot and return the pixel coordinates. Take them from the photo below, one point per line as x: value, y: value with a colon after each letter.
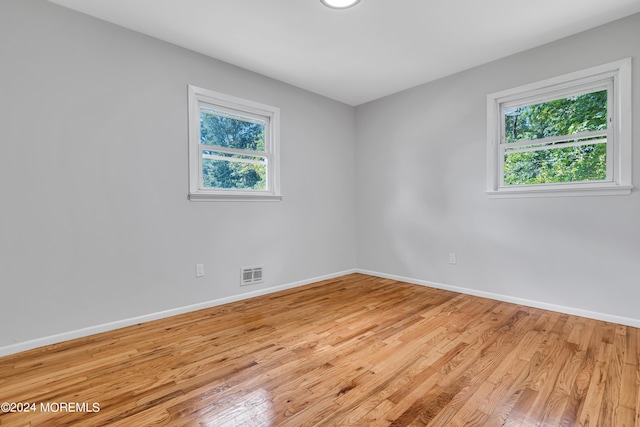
x: 507, y: 298
x: 79, y: 333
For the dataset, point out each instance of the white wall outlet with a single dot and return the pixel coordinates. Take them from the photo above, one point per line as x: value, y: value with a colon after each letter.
x: 199, y: 270
x: 452, y: 258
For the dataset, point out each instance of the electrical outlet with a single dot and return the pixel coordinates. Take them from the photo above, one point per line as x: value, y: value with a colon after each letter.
x: 452, y: 258
x: 199, y: 270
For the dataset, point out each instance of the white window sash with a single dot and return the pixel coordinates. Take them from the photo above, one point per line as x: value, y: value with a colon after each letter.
x: 559, y: 146
x: 235, y: 151
x: 215, y: 103
x: 615, y: 77
x: 235, y: 159
x: 557, y: 139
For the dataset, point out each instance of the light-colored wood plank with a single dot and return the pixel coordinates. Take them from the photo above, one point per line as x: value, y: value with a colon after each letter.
x: 355, y: 350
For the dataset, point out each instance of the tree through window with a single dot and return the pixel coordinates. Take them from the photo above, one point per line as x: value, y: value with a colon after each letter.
x: 233, y: 148
x: 562, y: 140
x: 567, y: 135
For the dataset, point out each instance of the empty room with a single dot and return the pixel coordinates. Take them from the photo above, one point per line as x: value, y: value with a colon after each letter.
x: 319, y: 213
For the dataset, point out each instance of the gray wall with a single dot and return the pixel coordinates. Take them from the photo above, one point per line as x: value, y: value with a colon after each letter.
x: 421, y: 182
x: 95, y: 225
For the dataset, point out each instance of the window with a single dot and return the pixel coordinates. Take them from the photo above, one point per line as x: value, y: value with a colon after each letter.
x: 570, y: 135
x: 233, y: 148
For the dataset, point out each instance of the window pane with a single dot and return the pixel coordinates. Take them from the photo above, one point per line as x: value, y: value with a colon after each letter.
x: 218, y: 173
x: 568, y: 164
x: 583, y: 113
x: 232, y: 132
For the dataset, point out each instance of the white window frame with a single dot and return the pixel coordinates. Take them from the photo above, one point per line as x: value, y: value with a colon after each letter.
x: 614, y: 76
x: 204, y: 98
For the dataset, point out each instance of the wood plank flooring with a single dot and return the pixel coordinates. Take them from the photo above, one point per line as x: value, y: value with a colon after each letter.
x: 352, y: 351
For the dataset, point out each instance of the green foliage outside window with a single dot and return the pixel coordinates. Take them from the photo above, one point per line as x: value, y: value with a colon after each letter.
x: 237, y: 134
x: 567, y: 116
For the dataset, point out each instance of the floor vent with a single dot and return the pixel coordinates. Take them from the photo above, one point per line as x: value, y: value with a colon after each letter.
x: 250, y: 275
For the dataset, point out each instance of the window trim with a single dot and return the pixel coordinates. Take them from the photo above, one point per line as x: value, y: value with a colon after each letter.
x: 200, y: 97
x: 619, y: 164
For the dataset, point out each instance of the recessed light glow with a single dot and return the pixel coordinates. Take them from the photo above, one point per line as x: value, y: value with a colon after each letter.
x: 339, y: 4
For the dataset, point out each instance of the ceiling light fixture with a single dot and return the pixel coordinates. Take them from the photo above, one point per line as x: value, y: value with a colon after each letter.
x: 339, y: 4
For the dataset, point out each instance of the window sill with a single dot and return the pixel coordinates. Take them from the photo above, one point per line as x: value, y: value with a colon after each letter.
x: 234, y: 197
x: 560, y: 191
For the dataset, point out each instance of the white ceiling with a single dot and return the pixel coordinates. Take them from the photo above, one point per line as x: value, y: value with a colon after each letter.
x: 360, y: 54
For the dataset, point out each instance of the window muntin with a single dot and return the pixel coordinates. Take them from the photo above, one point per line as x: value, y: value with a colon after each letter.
x: 233, y: 148
x: 542, y: 142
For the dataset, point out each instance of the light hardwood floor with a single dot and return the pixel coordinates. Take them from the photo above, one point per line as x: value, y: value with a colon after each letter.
x: 356, y: 350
